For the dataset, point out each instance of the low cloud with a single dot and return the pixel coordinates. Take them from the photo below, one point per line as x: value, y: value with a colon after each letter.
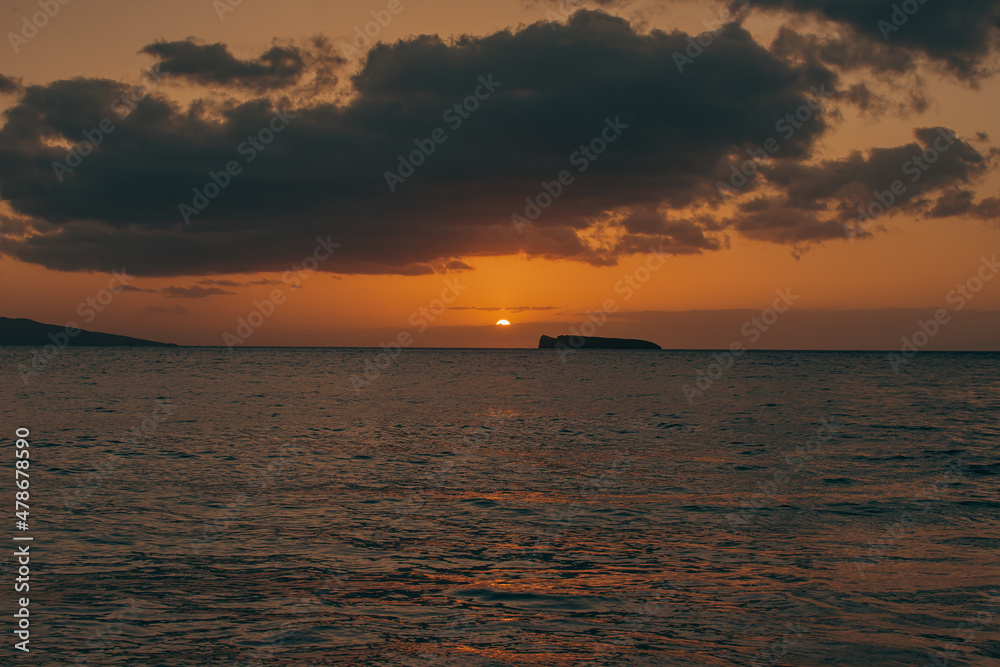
x: 509, y: 309
x: 193, y: 292
x: 456, y: 265
x: 237, y: 283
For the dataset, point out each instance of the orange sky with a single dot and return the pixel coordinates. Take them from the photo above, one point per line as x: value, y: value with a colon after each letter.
x: 913, y: 265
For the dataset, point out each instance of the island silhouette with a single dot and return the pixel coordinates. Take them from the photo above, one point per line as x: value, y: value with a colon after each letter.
x: 21, y: 331
x: 594, y: 343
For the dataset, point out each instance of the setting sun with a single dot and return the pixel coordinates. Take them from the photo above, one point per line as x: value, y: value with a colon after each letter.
x: 503, y: 323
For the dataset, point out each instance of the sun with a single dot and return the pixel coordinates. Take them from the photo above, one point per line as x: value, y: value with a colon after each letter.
x: 503, y: 323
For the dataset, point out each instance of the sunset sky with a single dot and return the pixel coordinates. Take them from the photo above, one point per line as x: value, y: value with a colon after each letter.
x: 667, y: 119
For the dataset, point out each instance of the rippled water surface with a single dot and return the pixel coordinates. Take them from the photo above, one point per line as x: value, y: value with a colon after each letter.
x: 509, y: 508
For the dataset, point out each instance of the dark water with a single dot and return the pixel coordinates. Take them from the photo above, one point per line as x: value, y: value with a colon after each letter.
x: 508, y: 508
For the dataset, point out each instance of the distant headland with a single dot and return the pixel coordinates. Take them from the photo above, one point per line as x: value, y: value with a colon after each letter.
x: 20, y: 331
x: 594, y: 343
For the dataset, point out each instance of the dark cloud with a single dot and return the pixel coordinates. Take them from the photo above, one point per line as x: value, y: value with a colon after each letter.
x: 236, y: 283
x: 842, y: 51
x: 509, y: 309
x: 858, y: 176
x: 214, y: 65
x: 559, y: 85
x: 133, y: 288
x: 644, y: 221
x: 961, y: 202
x: 865, y: 99
x: 456, y: 265
x: 952, y: 203
x: 521, y: 309
x: 961, y: 34
x: 988, y: 209
x: 845, y: 53
x: 193, y: 292
x: 222, y: 283
x: 770, y: 219
x: 814, y: 202
x: 9, y: 85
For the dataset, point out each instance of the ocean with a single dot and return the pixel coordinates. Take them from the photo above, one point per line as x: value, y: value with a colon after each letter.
x: 197, y: 506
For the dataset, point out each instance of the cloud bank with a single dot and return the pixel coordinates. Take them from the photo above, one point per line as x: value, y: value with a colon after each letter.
x: 269, y: 193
